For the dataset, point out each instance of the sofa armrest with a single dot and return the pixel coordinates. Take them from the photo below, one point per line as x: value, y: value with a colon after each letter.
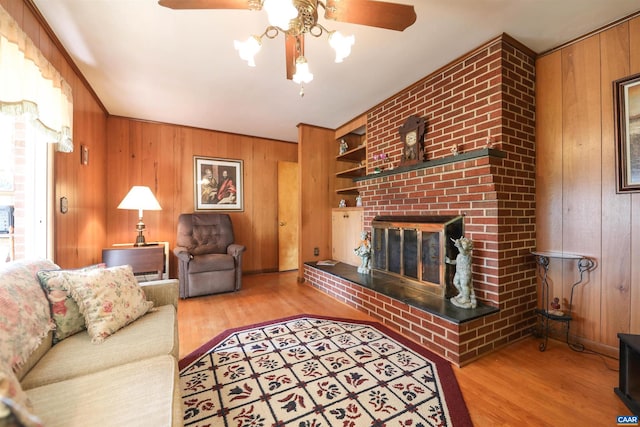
x: 161, y: 292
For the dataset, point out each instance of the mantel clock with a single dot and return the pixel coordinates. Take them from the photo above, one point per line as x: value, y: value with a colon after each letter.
x: 412, y: 138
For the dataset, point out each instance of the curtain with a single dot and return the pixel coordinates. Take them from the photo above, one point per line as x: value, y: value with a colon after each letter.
x: 31, y: 86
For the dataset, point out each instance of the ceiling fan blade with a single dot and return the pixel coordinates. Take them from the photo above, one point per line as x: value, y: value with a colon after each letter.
x: 292, y: 53
x: 391, y: 16
x: 205, y: 4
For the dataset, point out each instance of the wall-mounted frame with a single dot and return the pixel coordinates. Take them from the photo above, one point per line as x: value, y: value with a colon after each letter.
x: 626, y: 94
x: 218, y: 184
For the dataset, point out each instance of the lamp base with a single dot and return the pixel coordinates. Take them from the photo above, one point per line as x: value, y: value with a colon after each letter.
x: 140, y: 239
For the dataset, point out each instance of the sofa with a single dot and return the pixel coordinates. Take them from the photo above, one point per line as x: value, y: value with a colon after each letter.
x: 87, y: 347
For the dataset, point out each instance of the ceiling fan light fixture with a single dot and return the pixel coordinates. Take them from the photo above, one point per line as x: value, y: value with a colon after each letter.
x: 302, y: 75
x: 280, y: 12
x: 341, y: 44
x: 248, y: 49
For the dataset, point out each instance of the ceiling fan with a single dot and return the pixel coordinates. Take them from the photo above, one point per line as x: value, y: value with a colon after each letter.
x: 303, y: 20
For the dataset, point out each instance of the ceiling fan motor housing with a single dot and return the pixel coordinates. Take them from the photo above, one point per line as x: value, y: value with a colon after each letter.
x: 307, y: 17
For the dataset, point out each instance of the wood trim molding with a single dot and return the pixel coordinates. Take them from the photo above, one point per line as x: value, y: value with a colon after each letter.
x: 589, y: 34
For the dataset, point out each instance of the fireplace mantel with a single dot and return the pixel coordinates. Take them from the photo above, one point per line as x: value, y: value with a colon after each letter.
x: 470, y: 155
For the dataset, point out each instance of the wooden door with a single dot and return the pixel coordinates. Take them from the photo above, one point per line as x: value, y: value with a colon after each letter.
x: 288, y: 208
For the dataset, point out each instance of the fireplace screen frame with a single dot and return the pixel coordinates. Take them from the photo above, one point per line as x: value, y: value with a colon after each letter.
x: 429, y: 237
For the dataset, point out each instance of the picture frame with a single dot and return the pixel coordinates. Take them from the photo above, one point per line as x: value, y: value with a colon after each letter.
x: 626, y: 93
x: 218, y: 184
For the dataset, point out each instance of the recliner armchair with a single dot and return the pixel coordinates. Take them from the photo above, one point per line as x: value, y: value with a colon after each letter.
x: 209, y: 261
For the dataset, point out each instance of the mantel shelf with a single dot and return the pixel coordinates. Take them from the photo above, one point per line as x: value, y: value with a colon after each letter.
x: 484, y: 152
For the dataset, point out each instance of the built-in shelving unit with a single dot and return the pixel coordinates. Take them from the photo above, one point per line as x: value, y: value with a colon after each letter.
x: 351, y: 163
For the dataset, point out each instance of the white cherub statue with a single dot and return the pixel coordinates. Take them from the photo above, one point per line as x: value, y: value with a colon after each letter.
x: 364, y: 252
x: 463, y: 279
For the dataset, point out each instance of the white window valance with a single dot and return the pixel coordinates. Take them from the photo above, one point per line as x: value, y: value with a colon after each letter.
x: 31, y: 86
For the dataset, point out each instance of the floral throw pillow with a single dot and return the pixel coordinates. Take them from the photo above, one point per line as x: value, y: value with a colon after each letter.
x: 109, y: 299
x: 15, y: 409
x: 64, y: 310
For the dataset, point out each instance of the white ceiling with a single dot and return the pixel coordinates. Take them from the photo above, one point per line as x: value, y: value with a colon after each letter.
x: 179, y: 66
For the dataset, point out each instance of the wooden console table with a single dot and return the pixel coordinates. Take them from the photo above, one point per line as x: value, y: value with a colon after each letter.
x: 584, y: 265
x: 142, y: 259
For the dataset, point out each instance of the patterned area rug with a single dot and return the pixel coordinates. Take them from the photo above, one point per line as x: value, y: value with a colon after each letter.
x: 313, y: 371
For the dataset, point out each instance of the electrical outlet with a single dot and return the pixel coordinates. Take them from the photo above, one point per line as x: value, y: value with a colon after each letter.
x: 316, y: 251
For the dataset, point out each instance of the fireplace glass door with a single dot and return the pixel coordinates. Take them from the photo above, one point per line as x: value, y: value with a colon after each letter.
x: 415, y: 248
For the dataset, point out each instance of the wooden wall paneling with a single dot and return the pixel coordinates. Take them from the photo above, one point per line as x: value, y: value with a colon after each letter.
x: 615, y: 265
x: 253, y: 227
x: 582, y: 211
x: 155, y: 178
x: 90, y: 130
x: 634, y: 68
x: 118, y: 180
x: 549, y: 160
x: 161, y: 156
x: 314, y: 157
x: 15, y: 9
x: 549, y: 166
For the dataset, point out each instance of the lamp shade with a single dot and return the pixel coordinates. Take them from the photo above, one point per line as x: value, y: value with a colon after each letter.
x: 140, y: 198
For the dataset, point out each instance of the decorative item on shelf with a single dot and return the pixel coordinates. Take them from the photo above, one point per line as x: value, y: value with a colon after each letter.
x: 555, y: 307
x: 385, y: 159
x: 364, y: 252
x: 463, y: 279
x: 412, y: 137
x: 342, y: 204
x: 343, y: 146
x: 359, y: 201
x: 140, y: 198
x: 454, y: 149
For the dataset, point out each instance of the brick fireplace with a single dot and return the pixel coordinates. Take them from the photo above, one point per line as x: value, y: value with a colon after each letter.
x: 480, y: 164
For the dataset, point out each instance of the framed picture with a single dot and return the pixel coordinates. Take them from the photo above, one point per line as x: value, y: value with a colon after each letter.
x: 626, y: 94
x: 217, y: 184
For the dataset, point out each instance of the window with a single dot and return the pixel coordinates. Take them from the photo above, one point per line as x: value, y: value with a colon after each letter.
x: 36, y: 117
x: 26, y: 188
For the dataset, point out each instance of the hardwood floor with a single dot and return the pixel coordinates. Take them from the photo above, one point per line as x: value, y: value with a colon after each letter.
x: 516, y: 385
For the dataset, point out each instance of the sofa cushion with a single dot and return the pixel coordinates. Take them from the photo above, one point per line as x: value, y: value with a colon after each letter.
x: 135, y: 394
x: 64, y: 310
x: 108, y: 298
x: 148, y: 336
x: 24, y: 311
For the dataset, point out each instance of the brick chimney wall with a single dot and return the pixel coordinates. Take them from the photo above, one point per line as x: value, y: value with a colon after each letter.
x: 485, y: 99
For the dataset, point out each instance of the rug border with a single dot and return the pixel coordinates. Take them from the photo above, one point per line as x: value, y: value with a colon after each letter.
x: 457, y: 409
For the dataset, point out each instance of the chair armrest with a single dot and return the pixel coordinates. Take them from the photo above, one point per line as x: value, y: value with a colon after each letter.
x: 161, y: 292
x: 182, y: 253
x: 235, y: 249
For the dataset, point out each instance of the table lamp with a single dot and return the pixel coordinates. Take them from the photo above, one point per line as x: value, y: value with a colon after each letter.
x: 140, y: 198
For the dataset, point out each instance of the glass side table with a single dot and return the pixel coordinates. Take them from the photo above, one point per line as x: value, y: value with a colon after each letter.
x: 546, y: 314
